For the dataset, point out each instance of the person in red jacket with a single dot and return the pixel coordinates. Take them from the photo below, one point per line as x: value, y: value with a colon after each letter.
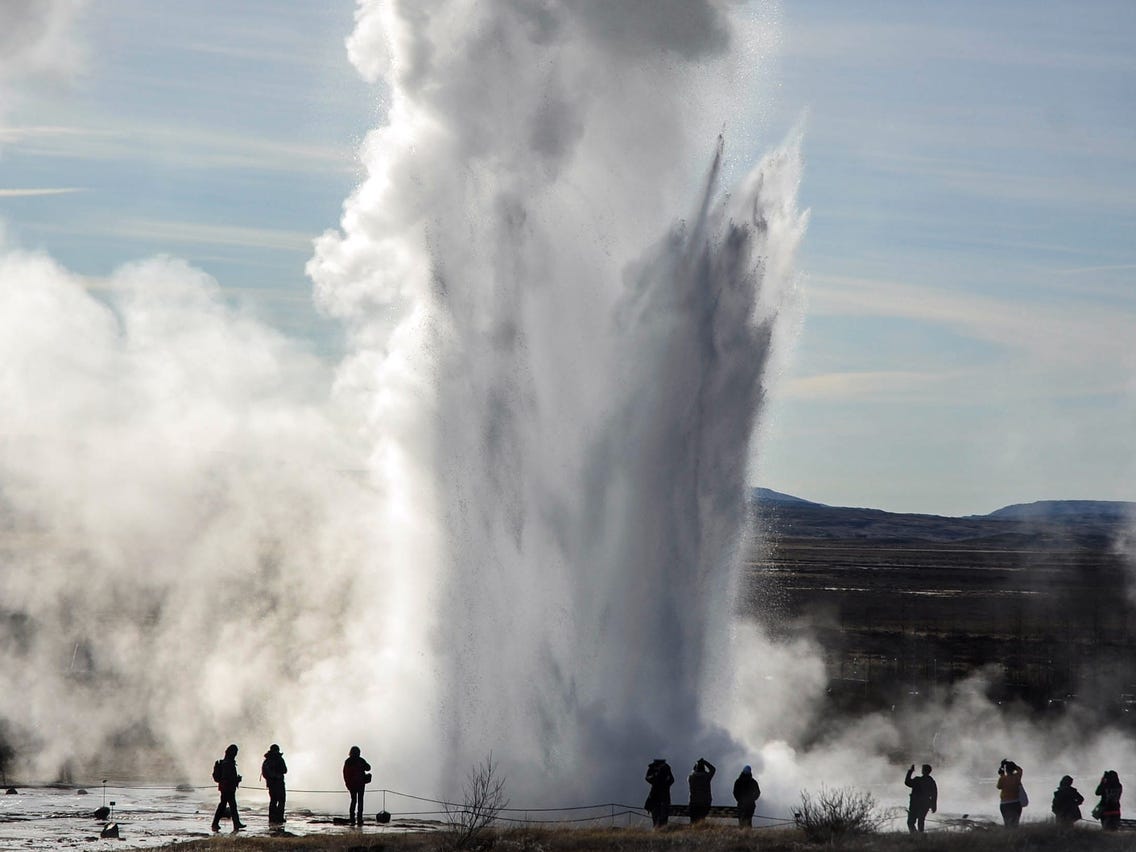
x: 356, y: 774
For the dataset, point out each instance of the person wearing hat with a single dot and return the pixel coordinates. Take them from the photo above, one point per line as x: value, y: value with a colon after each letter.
x: 746, y: 793
x: 273, y: 771
x: 658, y: 803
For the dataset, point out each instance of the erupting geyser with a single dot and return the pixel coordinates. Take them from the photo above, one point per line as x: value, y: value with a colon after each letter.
x: 563, y: 372
x: 513, y: 525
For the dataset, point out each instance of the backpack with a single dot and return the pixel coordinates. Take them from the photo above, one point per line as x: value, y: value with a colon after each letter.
x: 218, y: 771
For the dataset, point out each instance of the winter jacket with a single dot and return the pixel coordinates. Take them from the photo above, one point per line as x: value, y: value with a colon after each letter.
x: 274, y: 768
x: 924, y: 792
x: 660, y: 777
x: 746, y: 789
x: 700, y: 785
x: 353, y: 770
x: 1066, y: 802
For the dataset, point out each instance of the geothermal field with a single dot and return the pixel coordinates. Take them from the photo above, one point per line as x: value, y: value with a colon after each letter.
x: 481, y: 486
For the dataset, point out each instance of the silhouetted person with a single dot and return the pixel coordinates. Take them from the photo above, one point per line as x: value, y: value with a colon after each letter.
x: 746, y: 794
x: 1010, y: 791
x: 227, y: 784
x: 924, y: 797
x: 273, y: 771
x: 658, y: 803
x: 1108, y: 809
x: 700, y: 798
x: 356, y: 774
x: 1067, y: 802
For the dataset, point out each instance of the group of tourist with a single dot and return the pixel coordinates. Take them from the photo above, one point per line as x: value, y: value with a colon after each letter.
x: 356, y: 777
x: 924, y: 799
x: 1012, y: 798
x: 746, y: 792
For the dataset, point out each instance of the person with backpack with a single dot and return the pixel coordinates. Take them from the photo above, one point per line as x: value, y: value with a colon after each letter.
x: 356, y: 776
x: 746, y: 793
x: 273, y: 771
x: 1067, y: 802
x: 225, y: 774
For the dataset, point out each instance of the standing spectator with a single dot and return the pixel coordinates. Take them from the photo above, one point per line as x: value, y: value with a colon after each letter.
x: 746, y: 793
x: 225, y: 774
x: 273, y: 771
x: 1067, y: 802
x: 700, y: 798
x: 924, y: 797
x: 356, y: 775
x: 660, y: 777
x: 1010, y: 793
x: 1108, y: 809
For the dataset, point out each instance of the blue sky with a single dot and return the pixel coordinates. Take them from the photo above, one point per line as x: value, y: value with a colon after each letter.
x: 969, y: 266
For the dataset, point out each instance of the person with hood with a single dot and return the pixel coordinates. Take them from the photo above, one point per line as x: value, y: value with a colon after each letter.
x: 746, y: 793
x: 273, y: 771
x: 1108, y: 809
x: 225, y: 774
x: 1067, y: 802
x: 356, y: 776
x: 1010, y: 793
x: 658, y: 803
x: 700, y: 798
x: 924, y: 797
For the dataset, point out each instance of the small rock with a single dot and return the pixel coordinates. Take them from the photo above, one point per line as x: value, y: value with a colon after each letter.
x: 11, y: 791
x: 81, y: 792
x: 184, y: 788
x: 110, y: 831
x: 383, y: 817
x: 102, y: 813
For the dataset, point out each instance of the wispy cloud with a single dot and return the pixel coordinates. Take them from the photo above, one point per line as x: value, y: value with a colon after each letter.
x: 1065, y: 331
x: 27, y: 192
x: 184, y: 147
x: 198, y: 233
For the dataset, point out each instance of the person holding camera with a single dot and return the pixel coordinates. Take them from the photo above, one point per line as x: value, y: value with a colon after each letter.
x: 1012, y: 795
x: 356, y: 777
x: 1108, y: 809
x: 924, y: 797
x: 658, y: 803
x: 700, y: 798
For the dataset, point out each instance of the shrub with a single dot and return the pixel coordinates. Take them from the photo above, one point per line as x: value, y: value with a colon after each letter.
x: 835, y: 813
x: 483, y: 799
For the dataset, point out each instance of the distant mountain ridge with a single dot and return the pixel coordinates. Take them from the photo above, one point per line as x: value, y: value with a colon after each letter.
x: 788, y: 516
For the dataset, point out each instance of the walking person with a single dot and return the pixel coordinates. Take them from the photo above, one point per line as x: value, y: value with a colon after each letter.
x: 746, y: 793
x: 924, y: 797
x: 1067, y: 802
x: 225, y: 774
x: 700, y: 797
x: 658, y: 803
x: 356, y: 776
x: 273, y: 771
x: 1108, y: 809
x: 1010, y: 793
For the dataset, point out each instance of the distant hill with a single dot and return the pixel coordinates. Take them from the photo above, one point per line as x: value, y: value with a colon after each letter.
x: 768, y: 495
x: 1066, y: 522
x: 1107, y: 511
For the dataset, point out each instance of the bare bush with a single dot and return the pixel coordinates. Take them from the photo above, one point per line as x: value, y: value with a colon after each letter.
x: 834, y: 813
x: 483, y: 799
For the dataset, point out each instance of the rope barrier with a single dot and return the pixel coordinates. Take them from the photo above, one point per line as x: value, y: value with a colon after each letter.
x: 610, y: 810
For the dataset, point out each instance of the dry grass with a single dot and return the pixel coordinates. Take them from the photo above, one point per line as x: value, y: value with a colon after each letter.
x: 678, y: 838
